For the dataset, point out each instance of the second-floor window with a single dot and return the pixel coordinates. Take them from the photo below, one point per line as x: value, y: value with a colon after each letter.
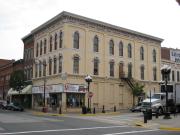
x: 41, y: 46
x: 44, y: 68
x: 154, y: 74
x: 40, y: 69
x: 37, y: 49
x: 76, y: 40
x: 141, y: 53
x: 173, y: 78
x: 36, y: 70
x: 50, y: 44
x: 55, y: 41
x: 154, y: 55
x: 142, y: 72
x: 130, y: 70
x: 60, y: 39
x: 60, y: 64
x: 50, y: 66
x: 177, y: 76
x: 111, y: 66
x: 55, y: 65
x: 96, y: 66
x: 45, y: 46
x: 111, y: 47
x: 121, y: 48
x: 96, y: 44
x: 129, y: 51
x: 76, y: 65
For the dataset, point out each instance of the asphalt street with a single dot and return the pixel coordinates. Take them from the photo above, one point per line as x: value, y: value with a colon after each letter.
x: 21, y: 123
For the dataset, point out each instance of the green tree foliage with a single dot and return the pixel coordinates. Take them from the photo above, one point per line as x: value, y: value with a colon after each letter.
x: 17, y: 80
x: 137, y: 91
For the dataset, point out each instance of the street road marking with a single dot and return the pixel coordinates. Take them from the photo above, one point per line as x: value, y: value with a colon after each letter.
x: 131, y: 132
x: 59, y: 130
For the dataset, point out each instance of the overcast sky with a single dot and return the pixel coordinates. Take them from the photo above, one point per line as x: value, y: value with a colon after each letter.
x: 160, y: 18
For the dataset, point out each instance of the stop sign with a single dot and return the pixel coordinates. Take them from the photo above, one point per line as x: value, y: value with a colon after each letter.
x: 90, y: 94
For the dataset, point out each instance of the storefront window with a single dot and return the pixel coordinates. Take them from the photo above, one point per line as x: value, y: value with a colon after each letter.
x: 75, y: 100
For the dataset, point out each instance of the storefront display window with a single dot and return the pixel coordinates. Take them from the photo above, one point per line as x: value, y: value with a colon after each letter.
x: 75, y: 100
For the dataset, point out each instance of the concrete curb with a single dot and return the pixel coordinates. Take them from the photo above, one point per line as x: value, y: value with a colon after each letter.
x: 100, y: 114
x: 156, y: 126
x: 169, y: 128
x: 46, y: 114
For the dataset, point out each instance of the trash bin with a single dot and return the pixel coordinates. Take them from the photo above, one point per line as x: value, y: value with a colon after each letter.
x: 84, y: 110
x: 149, y: 114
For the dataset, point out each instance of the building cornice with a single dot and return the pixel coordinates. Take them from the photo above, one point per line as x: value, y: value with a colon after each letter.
x: 67, y: 17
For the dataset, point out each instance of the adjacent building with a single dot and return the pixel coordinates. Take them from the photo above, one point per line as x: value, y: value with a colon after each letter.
x: 69, y: 47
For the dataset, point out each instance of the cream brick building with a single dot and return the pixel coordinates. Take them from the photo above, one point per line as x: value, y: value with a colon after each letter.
x: 73, y: 46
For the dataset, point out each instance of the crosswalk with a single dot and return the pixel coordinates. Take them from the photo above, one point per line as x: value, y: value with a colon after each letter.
x: 119, y: 119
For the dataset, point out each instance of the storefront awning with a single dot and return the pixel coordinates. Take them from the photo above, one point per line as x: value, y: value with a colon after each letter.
x: 26, y: 90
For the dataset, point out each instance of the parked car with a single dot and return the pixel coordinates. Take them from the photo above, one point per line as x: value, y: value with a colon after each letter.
x: 14, y: 107
x: 136, y: 108
x: 3, y: 104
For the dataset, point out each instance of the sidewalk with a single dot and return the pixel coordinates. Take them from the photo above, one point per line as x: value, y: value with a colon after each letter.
x: 172, y: 124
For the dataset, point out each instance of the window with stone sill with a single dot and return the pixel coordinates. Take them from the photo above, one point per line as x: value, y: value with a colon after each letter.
x: 76, y: 65
x: 55, y: 41
x: 45, y: 46
x: 121, y: 48
x: 111, y: 64
x: 76, y: 40
x: 111, y: 47
x: 60, y: 39
x: 96, y: 44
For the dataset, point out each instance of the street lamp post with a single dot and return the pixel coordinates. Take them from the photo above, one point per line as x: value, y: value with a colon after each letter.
x: 88, y: 79
x: 165, y: 70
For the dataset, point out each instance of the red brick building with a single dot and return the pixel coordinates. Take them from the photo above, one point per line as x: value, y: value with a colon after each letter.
x: 28, y: 57
x: 6, y: 69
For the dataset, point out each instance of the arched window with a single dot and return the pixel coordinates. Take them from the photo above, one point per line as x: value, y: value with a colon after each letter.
x: 142, y: 72
x: 154, y: 55
x: 76, y: 65
x: 111, y: 47
x: 121, y: 48
x: 50, y: 42
x: 60, y: 63
x: 45, y: 47
x: 129, y: 51
x: 96, y: 66
x: 55, y: 41
x: 50, y: 66
x: 41, y: 47
x: 76, y: 40
x: 96, y: 44
x: 55, y: 65
x: 130, y: 70
x: 154, y: 74
x: 111, y: 67
x: 60, y: 39
x: 37, y: 49
x: 141, y: 53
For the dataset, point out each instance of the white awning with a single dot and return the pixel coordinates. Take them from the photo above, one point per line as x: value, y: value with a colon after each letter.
x: 26, y: 90
x: 12, y: 92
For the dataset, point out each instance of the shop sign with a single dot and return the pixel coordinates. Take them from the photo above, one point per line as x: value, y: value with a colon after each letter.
x: 49, y: 89
x: 74, y: 88
x: 175, y: 56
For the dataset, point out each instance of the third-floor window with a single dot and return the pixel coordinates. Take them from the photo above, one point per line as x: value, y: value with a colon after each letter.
x: 111, y: 47
x: 50, y: 44
x: 55, y: 41
x: 141, y: 53
x: 96, y: 44
x: 129, y: 51
x: 60, y: 39
x: 121, y: 48
x: 45, y: 47
x: 76, y: 40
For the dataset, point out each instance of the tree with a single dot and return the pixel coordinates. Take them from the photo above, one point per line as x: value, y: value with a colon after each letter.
x: 137, y: 91
x: 17, y: 80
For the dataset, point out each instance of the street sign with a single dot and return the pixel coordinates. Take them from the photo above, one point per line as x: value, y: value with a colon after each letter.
x: 90, y: 94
